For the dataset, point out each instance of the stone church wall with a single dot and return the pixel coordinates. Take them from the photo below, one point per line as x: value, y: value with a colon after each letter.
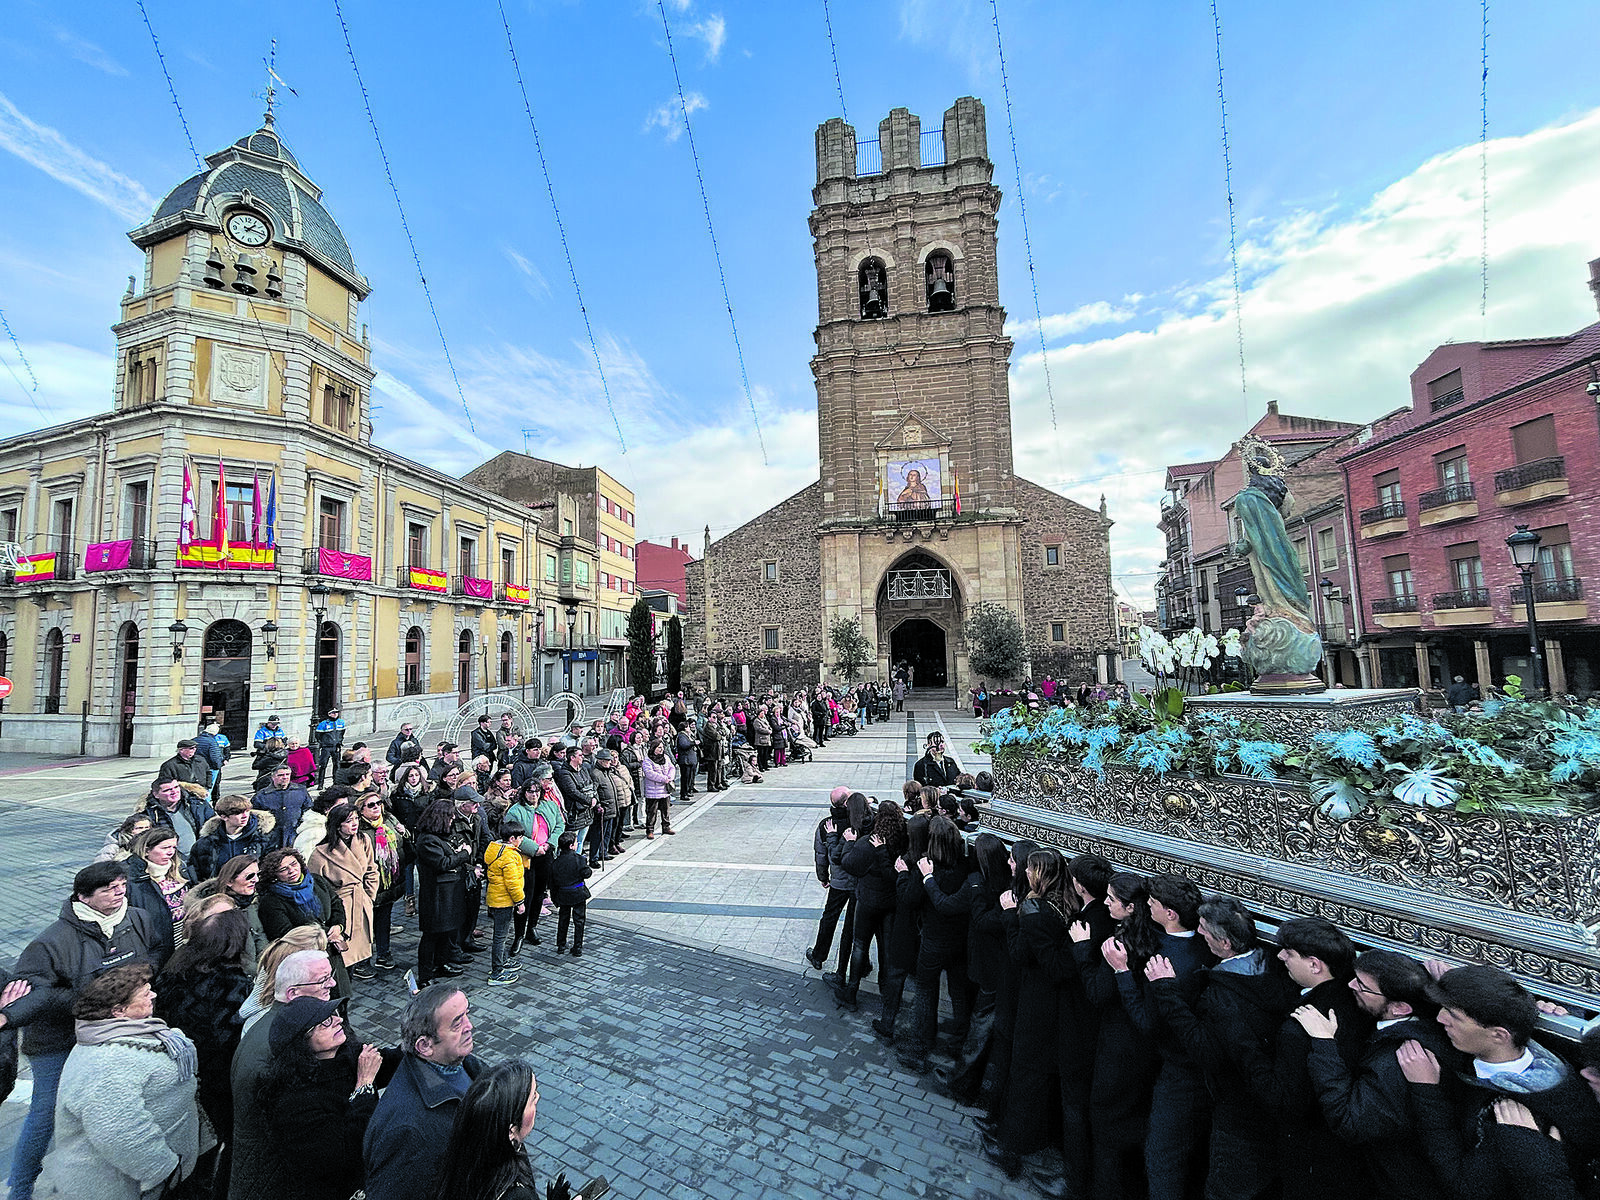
x: 1077, y: 593
x: 742, y: 603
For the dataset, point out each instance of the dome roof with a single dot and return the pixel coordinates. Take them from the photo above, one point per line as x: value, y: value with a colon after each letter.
x: 263, y: 166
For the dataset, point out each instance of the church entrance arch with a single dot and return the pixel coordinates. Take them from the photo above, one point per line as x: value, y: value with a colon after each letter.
x: 920, y: 644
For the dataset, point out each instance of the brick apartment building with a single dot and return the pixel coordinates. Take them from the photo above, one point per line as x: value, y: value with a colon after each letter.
x: 1499, y: 434
x: 659, y: 567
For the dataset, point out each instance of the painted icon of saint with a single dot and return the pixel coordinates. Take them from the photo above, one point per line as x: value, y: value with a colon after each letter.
x: 915, y: 491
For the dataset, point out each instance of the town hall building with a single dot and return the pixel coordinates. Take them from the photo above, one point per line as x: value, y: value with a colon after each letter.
x: 917, y: 516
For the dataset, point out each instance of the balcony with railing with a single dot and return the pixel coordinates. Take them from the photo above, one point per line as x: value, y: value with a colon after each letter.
x: 53, y: 566
x: 1464, y: 606
x: 1542, y: 479
x: 930, y: 153
x: 1454, y: 502
x: 470, y: 587
x: 422, y: 579
x: 131, y: 554
x: 513, y: 593
x: 1549, y: 591
x: 1396, y: 612
x: 1446, y: 399
x: 920, y: 510
x: 1383, y: 520
x: 336, y: 562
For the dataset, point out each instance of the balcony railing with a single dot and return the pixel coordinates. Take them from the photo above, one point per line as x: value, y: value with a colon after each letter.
x: 134, y: 554
x: 44, y: 568
x: 1383, y: 512
x: 1446, y: 400
x: 1524, y: 474
x: 920, y: 510
x: 513, y: 593
x: 334, y: 563
x: 1464, y: 598
x: 1553, y: 591
x: 1456, y: 493
x: 422, y: 579
x: 1394, y: 604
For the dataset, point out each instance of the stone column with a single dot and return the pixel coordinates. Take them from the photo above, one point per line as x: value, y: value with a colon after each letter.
x: 1424, y: 670
x: 1555, y: 667
x: 1480, y: 654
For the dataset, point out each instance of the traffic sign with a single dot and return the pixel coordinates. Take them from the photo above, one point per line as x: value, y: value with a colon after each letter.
x: 5, y: 687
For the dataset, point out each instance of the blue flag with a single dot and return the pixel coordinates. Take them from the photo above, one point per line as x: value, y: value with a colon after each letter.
x: 272, y: 511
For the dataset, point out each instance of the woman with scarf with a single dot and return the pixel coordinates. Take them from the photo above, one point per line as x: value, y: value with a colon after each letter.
x: 201, y: 991
x: 391, y: 850
x: 293, y: 896
x: 127, y: 1123
x: 659, y: 773
x: 409, y: 794
x: 347, y: 860
x: 157, y: 884
x: 445, y: 857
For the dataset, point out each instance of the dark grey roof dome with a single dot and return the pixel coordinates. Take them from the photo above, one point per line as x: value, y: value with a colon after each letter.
x: 262, y: 165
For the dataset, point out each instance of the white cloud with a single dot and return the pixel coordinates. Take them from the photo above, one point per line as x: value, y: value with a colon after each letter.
x: 714, y: 32
x: 46, y: 149
x: 87, y: 52
x: 669, y: 116
x: 1338, y: 310
x: 73, y: 383
x: 537, y: 284
x: 1087, y: 316
x: 962, y: 29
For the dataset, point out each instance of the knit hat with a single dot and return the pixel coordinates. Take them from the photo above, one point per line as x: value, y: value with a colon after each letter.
x: 296, y: 1018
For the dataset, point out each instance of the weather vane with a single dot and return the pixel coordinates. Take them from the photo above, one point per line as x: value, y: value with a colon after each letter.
x: 273, y: 78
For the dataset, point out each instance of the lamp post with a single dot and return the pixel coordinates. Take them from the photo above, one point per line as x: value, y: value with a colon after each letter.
x: 269, y: 635
x: 179, y: 631
x: 1524, y: 547
x: 571, y: 607
x: 319, y: 607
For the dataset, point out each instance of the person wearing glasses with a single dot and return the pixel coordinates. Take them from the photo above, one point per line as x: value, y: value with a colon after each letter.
x: 318, y: 1096
x: 391, y: 850
x: 303, y: 973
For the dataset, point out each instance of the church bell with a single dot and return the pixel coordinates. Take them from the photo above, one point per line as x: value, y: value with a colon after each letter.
x: 274, y: 282
x: 214, y: 265
x: 940, y: 297
x: 244, y: 275
x: 873, y: 306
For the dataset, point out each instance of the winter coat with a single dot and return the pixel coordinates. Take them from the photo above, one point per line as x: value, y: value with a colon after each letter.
x: 622, y: 782
x: 760, y: 732
x: 578, y: 794
x: 279, y: 914
x: 404, y: 1141
x: 144, y: 894
x: 329, y: 734
x: 302, y: 762
x: 187, y: 820
x: 555, y: 824
x: 264, y: 762
x: 214, y: 847
x: 313, y: 827
x: 352, y: 871
x: 658, y: 778
x: 483, y: 743
x: 505, y: 867
x: 567, y: 874
x: 1366, y: 1103
x: 949, y: 913
x: 315, y: 1132
x: 62, y: 960
x: 936, y: 772
x: 287, y: 806
x: 606, y: 792
x: 126, y: 1121
x: 403, y: 749
x: 205, y: 1005
x: 196, y: 771
x: 873, y: 867
x: 840, y: 878
x: 688, y: 751
x: 207, y: 746
x: 442, y: 870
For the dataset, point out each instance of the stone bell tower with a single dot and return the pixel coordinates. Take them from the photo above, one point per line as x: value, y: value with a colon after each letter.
x: 919, y: 515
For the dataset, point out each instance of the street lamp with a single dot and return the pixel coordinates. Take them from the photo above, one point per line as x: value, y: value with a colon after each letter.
x: 319, y: 606
x: 179, y: 631
x: 1241, y: 596
x: 1524, y: 547
x: 571, y: 607
x: 269, y: 635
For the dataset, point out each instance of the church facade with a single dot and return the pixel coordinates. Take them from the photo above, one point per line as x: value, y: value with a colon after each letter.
x: 917, y: 515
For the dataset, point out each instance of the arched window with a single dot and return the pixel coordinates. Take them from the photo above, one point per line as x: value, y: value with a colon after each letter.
x: 413, y: 664
x: 507, y: 649
x: 873, y: 283
x: 941, y: 272
x: 53, y: 655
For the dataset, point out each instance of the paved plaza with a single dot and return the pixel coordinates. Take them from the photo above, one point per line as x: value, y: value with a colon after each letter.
x: 689, y: 1052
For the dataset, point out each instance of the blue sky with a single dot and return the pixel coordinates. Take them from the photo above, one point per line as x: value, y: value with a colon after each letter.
x: 1354, y: 146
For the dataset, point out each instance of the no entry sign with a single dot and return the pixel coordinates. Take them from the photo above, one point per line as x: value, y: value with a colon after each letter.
x: 5, y: 687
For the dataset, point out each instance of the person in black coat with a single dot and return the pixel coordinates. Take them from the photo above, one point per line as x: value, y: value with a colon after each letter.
x: 569, y: 892
x: 1243, y: 1002
x: 1125, y: 1062
x: 840, y: 833
x: 290, y: 896
x: 688, y: 746
x: 1000, y: 924
x: 962, y: 1080
x: 1365, y: 1102
x: 871, y: 861
x: 943, y: 948
x: 838, y: 899
x: 905, y: 929
x: 446, y: 856
x: 936, y: 768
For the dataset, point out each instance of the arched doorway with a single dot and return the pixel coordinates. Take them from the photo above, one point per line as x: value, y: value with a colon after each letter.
x: 225, y: 679
x: 54, y: 655
x: 328, y: 673
x: 127, y: 685
x: 414, y: 661
x: 920, y: 644
x: 464, y: 666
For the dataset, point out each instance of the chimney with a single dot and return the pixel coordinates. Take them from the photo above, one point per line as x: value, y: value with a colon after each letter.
x: 1594, y: 280
x: 674, y: 543
x: 1272, y: 408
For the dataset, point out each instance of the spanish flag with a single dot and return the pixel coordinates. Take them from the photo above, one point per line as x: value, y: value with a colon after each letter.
x: 955, y: 490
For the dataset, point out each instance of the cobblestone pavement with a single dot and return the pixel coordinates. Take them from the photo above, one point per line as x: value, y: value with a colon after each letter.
x: 689, y: 1052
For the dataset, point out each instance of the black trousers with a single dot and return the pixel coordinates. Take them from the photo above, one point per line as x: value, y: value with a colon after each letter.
x: 925, y: 1015
x: 870, y: 923
x: 966, y: 1077
x: 763, y: 758
x: 433, y: 949
x: 576, y: 914
x: 840, y: 903
x: 686, y: 773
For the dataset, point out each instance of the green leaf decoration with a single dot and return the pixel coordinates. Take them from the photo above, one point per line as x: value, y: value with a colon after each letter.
x: 1337, y: 798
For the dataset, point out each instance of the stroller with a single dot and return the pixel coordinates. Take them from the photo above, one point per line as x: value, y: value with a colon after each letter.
x: 880, y: 707
x: 847, y: 723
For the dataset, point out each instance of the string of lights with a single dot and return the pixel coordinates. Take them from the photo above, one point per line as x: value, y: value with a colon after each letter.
x: 561, y: 229
x: 1233, y: 223
x: 1483, y: 168
x: 161, y: 58
x: 1022, y: 210
x: 833, y: 50
x: 33, y: 392
x: 405, y: 225
x: 716, y: 253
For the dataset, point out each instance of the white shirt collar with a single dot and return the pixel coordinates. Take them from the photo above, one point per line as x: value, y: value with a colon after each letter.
x: 1488, y: 1070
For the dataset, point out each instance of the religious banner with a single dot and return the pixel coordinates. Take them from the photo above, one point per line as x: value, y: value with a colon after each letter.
x: 421, y: 579
x: 31, y: 567
x: 478, y: 589
x: 338, y: 565
x: 912, y: 483
x: 108, y: 556
x: 517, y: 594
x: 240, y: 557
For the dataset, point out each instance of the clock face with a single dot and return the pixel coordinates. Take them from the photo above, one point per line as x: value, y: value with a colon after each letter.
x: 247, y: 229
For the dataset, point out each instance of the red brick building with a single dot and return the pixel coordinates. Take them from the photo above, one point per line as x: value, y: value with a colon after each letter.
x: 1499, y: 434
x: 658, y: 566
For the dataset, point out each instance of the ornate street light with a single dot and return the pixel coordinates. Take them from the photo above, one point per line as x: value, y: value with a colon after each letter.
x: 269, y: 635
x: 1524, y: 547
x: 179, y: 632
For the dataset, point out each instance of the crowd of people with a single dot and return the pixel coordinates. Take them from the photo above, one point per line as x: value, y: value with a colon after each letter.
x: 1166, y: 1048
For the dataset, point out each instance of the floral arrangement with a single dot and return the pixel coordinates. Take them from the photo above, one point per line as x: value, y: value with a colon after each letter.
x: 1515, y: 755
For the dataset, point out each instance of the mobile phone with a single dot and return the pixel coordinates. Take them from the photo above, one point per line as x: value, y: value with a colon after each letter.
x: 594, y: 1189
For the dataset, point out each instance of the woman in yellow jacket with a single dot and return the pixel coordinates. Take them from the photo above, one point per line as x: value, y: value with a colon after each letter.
x: 505, y: 899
